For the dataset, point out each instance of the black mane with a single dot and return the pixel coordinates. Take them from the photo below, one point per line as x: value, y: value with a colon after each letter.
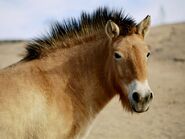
x: 86, y: 24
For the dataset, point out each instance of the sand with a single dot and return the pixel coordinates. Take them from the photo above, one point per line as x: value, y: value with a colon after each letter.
x: 166, y: 116
x: 11, y: 52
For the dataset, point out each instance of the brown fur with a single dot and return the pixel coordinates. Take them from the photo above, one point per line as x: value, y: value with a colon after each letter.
x: 59, y: 95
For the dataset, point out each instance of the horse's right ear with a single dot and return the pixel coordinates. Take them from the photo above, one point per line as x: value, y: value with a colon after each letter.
x: 112, y: 29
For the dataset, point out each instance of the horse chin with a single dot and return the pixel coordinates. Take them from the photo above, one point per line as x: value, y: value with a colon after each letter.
x: 139, y: 111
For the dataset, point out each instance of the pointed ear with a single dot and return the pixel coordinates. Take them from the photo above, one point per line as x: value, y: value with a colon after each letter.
x: 143, y: 27
x: 112, y: 29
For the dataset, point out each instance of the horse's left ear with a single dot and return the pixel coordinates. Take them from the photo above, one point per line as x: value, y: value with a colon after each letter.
x: 112, y: 29
x: 143, y: 27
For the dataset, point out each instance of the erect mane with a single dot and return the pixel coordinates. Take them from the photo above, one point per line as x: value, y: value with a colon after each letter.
x: 87, y: 24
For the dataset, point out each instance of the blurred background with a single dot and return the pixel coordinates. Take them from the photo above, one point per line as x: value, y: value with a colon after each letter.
x: 25, y: 19
x: 22, y: 20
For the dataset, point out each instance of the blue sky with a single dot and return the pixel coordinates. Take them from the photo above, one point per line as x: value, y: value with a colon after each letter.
x: 26, y: 19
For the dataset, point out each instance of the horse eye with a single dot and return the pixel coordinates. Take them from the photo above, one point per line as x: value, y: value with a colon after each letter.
x: 148, y: 54
x: 117, y: 55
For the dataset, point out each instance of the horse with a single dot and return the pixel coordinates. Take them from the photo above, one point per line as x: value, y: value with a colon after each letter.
x: 68, y: 76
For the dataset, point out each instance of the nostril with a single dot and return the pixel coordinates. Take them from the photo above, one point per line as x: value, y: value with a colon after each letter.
x: 151, y: 96
x: 136, y: 97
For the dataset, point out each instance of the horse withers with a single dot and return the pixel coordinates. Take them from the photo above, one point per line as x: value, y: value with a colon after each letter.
x: 67, y: 78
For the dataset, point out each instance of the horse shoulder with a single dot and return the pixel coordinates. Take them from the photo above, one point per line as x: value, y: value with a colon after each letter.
x: 26, y: 112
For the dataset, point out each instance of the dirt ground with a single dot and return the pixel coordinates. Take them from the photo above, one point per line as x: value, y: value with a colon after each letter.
x: 166, y: 117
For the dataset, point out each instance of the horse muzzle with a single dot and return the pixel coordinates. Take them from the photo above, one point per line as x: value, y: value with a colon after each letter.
x: 140, y: 96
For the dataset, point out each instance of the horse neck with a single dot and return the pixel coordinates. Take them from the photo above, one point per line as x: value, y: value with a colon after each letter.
x: 88, y: 70
x: 90, y: 66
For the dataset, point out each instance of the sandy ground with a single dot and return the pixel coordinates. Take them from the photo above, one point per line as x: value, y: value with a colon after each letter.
x: 166, y: 117
x: 11, y: 52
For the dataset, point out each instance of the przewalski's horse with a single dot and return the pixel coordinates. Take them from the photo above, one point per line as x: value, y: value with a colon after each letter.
x: 67, y: 78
